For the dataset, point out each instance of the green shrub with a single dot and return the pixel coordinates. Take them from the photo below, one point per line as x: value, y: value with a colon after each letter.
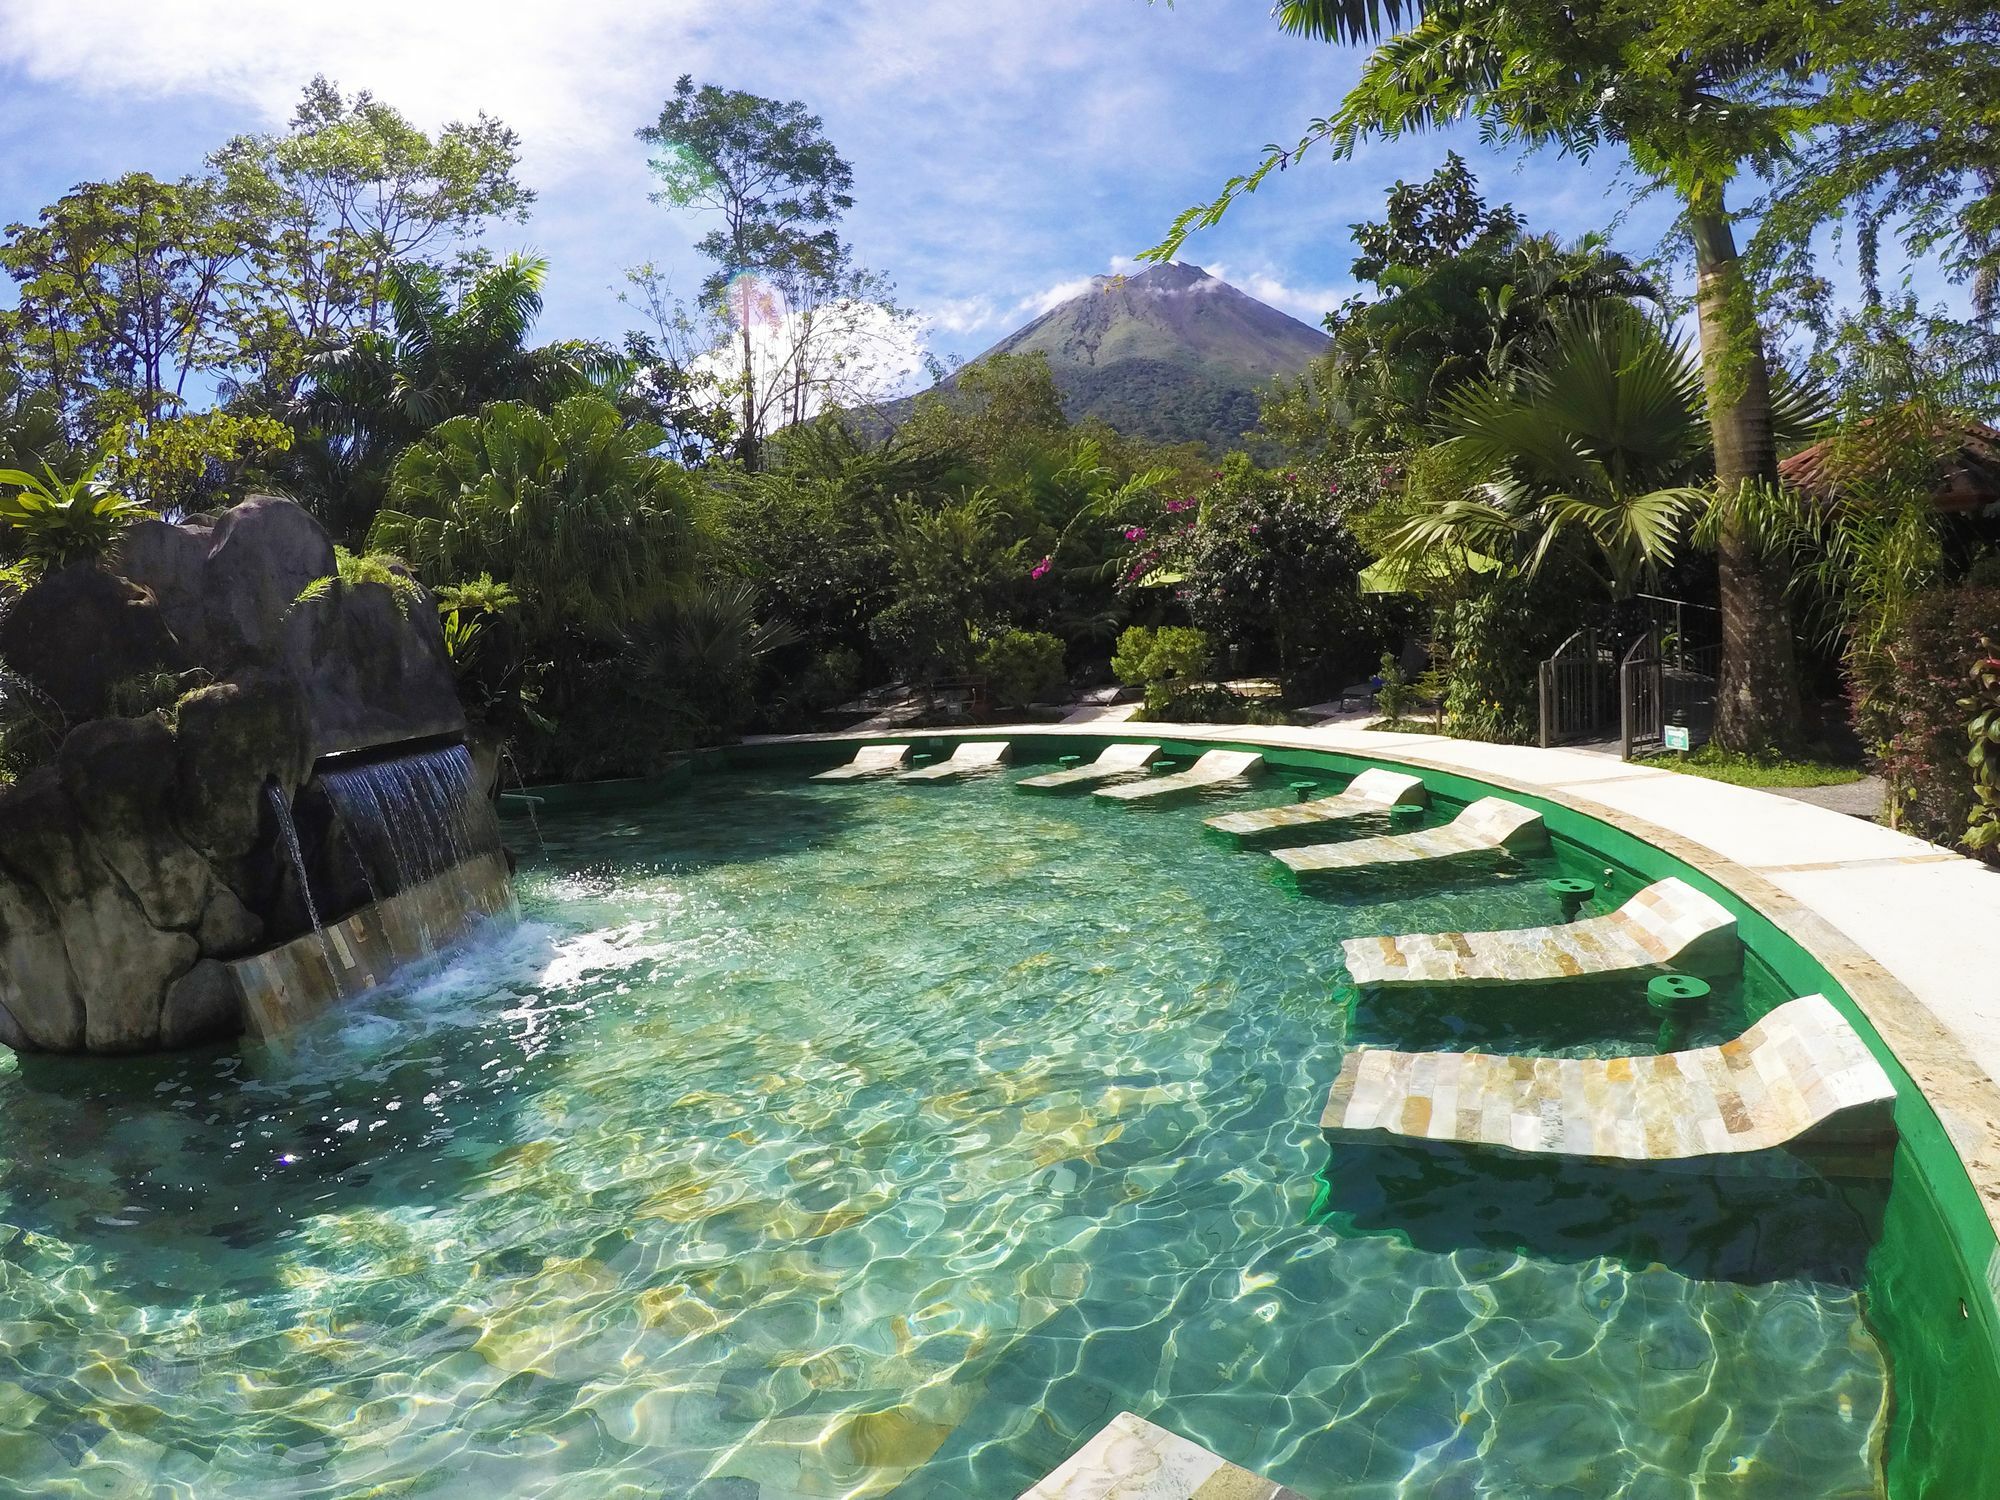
x: 1147, y: 656
x: 1022, y: 667
x: 1916, y: 717
x: 55, y: 520
x: 1394, y: 695
x: 1208, y: 703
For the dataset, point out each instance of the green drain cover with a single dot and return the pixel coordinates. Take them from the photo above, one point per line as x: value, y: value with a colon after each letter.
x: 1675, y: 991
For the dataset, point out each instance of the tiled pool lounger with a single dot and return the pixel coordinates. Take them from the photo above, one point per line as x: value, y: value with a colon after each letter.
x: 1131, y: 1459
x: 1213, y: 769
x: 1490, y: 824
x: 1116, y: 760
x: 971, y: 756
x: 1373, y: 791
x: 1800, y: 1071
x: 869, y: 760
x: 1668, y: 923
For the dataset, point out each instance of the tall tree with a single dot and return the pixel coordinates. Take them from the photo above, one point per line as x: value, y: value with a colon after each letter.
x: 350, y: 188
x: 123, y: 292
x: 1696, y: 107
x: 780, y: 187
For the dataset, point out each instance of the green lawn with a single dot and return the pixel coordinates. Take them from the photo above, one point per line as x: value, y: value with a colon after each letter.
x: 1759, y: 770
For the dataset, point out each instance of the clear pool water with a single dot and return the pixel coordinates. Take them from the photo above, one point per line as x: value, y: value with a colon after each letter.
x: 845, y: 1141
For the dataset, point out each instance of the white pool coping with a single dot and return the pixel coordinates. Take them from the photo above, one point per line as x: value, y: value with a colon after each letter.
x: 1910, y: 930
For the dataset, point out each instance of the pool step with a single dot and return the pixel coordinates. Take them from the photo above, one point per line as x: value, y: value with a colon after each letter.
x: 1115, y: 760
x: 869, y: 760
x: 1374, y: 791
x: 1213, y: 769
x: 1131, y: 1459
x: 1490, y: 825
x: 1800, y: 1076
x: 971, y: 757
x: 1669, y: 922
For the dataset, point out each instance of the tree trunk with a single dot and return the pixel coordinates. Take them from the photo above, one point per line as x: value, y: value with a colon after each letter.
x: 746, y: 443
x: 1757, y: 699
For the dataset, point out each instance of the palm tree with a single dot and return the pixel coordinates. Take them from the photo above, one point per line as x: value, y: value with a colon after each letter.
x: 1693, y: 113
x: 441, y: 356
x: 1605, y: 438
x: 572, y: 508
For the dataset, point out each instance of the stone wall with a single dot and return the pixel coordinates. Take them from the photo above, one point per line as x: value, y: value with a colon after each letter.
x: 146, y: 854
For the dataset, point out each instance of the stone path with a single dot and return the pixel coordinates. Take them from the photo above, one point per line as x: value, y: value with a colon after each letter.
x: 1131, y: 1459
x: 1668, y: 923
x: 869, y: 760
x: 1213, y: 769
x: 1112, y: 761
x: 1373, y: 791
x: 1486, y: 826
x: 1866, y: 798
x: 971, y: 757
x: 1799, y: 1071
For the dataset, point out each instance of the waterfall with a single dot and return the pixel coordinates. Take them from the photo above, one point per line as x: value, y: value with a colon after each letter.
x: 415, y: 815
x: 281, y: 805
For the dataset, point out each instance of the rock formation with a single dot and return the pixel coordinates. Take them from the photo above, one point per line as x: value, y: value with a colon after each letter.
x: 146, y: 851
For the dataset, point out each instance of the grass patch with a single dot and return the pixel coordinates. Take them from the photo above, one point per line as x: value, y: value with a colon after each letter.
x: 1761, y: 769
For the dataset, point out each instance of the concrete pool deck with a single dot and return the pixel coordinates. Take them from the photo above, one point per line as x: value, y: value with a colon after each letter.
x: 1911, y: 931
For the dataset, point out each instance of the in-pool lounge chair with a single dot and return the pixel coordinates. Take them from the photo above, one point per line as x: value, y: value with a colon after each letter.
x: 1488, y: 825
x: 1801, y: 1076
x: 1668, y: 923
x: 970, y: 757
x: 1213, y: 769
x: 869, y: 760
x: 1131, y: 1459
x: 1114, y: 761
x: 1373, y: 791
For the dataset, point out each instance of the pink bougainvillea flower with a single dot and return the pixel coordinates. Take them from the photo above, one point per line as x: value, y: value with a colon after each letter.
x: 1039, y: 568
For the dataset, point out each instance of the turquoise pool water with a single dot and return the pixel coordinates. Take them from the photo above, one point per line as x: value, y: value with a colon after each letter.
x: 851, y: 1141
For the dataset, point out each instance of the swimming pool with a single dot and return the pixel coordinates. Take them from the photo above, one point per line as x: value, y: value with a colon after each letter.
x: 881, y: 1140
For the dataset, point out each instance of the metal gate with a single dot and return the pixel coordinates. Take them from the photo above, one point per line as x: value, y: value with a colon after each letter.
x: 1642, y: 707
x: 1575, y: 693
x: 1665, y: 681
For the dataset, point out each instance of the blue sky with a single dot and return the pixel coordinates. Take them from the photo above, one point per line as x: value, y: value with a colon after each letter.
x: 1004, y: 150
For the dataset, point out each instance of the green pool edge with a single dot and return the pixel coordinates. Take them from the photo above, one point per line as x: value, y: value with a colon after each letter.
x: 1932, y: 1293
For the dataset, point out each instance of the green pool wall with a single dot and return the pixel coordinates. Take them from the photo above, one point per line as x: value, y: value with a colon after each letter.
x: 1933, y: 1280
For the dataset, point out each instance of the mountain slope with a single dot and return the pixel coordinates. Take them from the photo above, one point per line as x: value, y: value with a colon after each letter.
x: 1172, y: 354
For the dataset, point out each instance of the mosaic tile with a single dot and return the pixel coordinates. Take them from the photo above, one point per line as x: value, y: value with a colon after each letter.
x: 1819, y: 1080
x: 1213, y: 769
x: 1373, y: 791
x: 970, y: 757
x: 1131, y: 1459
x: 1668, y: 923
x: 1491, y: 824
x: 1113, y: 762
x: 869, y: 760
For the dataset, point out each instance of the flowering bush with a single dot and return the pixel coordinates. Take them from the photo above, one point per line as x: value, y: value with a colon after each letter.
x: 1264, y: 559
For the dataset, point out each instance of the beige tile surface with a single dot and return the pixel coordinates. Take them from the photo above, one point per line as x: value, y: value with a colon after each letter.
x: 1132, y: 1459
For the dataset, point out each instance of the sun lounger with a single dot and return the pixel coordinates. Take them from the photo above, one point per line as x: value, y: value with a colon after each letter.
x: 869, y: 760
x: 1799, y: 1076
x: 971, y: 756
x: 1112, y: 762
x: 1213, y: 769
x: 1373, y: 791
x: 1491, y: 824
x: 1668, y: 923
x: 1131, y: 1459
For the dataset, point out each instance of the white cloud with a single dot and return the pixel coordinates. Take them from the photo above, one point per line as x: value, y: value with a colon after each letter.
x: 1308, y: 304
x: 573, y: 83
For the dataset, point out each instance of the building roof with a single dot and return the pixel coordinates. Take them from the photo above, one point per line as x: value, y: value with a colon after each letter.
x: 1968, y: 477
